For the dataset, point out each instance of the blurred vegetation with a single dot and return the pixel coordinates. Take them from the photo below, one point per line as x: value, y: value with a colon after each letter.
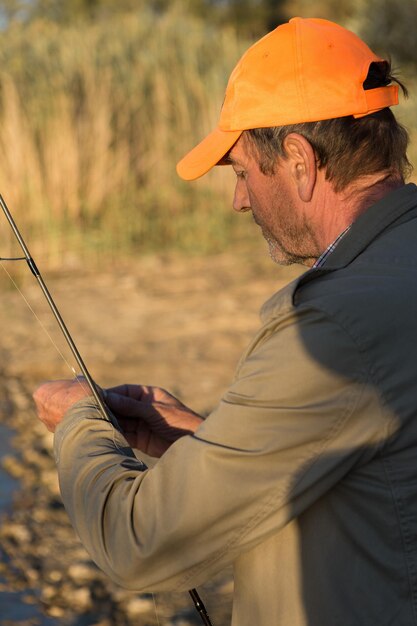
x: 100, y: 98
x: 93, y: 118
x: 250, y: 17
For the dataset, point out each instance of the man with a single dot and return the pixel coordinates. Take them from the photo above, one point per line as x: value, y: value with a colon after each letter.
x: 305, y: 475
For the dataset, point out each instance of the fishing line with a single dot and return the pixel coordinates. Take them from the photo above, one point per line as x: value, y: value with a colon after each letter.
x: 41, y: 324
x: 156, y: 609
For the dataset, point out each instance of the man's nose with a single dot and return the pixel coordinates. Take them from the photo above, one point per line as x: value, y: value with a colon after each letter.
x: 241, y: 201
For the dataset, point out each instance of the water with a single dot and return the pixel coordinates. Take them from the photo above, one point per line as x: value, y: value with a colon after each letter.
x: 8, y: 485
x: 14, y: 610
x: 14, y: 606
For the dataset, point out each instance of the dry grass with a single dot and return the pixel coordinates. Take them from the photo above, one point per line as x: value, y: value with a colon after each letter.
x: 92, y: 121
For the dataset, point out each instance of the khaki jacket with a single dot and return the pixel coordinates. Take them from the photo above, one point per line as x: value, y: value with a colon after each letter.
x: 304, y: 478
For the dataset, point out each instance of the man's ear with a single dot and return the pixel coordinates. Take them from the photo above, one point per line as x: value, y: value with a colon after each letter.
x: 301, y: 163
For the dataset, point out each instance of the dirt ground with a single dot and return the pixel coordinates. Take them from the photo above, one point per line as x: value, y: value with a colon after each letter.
x: 180, y: 323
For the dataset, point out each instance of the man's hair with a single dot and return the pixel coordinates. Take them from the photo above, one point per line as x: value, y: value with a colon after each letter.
x: 347, y: 147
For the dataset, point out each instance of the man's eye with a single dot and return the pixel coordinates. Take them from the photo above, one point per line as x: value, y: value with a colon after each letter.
x: 240, y: 174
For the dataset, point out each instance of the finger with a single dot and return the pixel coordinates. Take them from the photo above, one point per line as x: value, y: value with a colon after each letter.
x: 138, y: 437
x: 158, y: 416
x: 122, y: 405
x: 137, y: 392
x: 164, y: 397
x: 145, y: 393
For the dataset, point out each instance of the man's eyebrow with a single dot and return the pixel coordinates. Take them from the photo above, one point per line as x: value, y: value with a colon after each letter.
x: 228, y: 160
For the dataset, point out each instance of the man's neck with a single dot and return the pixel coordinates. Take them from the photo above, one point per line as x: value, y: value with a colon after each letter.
x: 350, y: 203
x: 368, y: 190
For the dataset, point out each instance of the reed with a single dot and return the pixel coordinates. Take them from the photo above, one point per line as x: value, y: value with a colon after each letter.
x: 92, y: 121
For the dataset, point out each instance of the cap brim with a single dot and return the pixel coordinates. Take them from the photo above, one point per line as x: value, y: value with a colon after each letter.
x: 207, y: 153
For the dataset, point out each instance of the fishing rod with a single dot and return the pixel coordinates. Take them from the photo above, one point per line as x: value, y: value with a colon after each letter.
x: 33, y: 268
x: 107, y: 415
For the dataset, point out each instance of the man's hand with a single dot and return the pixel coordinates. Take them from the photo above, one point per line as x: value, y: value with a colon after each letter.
x: 151, y: 418
x: 53, y: 399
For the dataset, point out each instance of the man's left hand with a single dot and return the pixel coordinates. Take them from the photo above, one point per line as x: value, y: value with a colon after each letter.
x: 53, y: 399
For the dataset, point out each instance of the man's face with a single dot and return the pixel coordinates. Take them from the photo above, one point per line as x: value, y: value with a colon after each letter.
x: 275, y: 207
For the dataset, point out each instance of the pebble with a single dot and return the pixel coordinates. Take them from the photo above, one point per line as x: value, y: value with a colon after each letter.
x: 81, y: 573
x: 13, y: 466
x: 19, y: 533
x: 81, y: 598
x: 138, y: 606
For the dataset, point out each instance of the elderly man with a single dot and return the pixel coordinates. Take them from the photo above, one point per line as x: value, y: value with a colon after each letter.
x: 304, y: 478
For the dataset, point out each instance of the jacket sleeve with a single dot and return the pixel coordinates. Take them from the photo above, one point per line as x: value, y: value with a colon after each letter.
x: 299, y: 415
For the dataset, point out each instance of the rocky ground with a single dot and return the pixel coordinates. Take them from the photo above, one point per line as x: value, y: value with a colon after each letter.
x: 178, y: 323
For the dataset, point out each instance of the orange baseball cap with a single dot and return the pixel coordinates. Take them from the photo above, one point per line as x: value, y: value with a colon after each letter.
x: 303, y: 71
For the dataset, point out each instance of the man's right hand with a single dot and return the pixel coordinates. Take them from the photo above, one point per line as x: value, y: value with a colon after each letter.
x: 151, y: 418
